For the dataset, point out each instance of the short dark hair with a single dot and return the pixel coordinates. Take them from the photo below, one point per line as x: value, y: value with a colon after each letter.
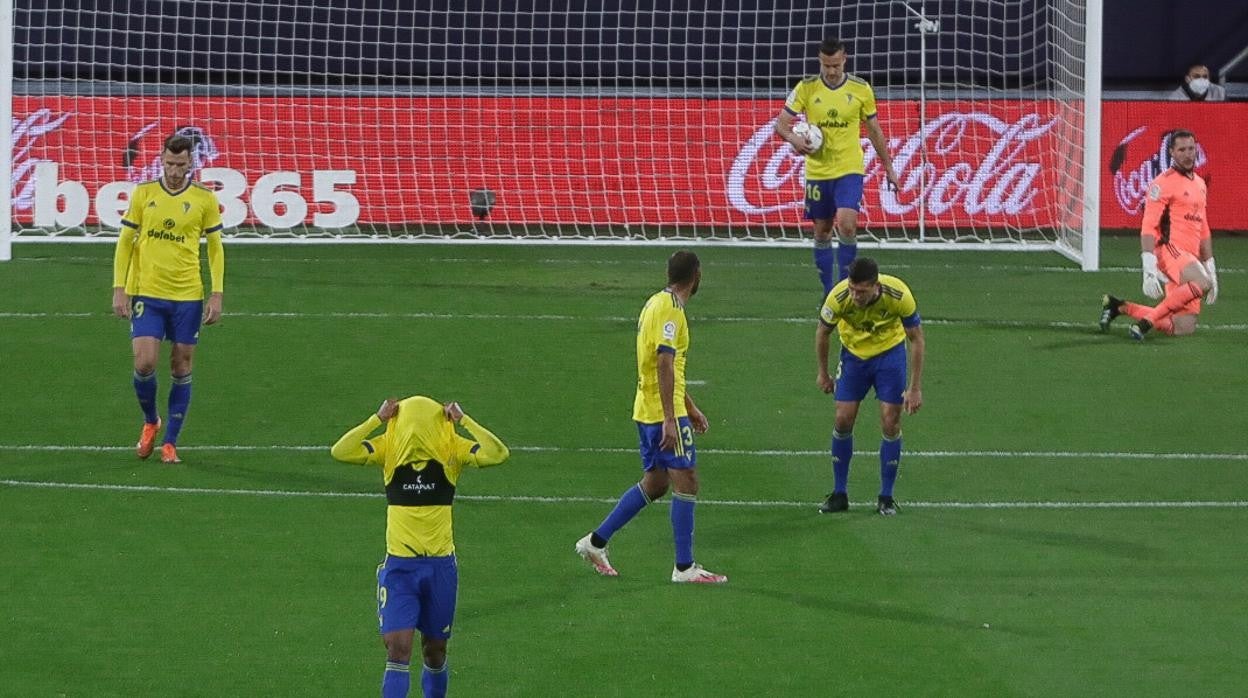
x: 178, y: 144
x: 682, y: 267
x: 1177, y: 134
x: 864, y: 270
x: 831, y: 46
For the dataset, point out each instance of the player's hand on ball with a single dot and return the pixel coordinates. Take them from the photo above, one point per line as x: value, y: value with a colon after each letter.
x: 388, y: 409
x: 453, y: 411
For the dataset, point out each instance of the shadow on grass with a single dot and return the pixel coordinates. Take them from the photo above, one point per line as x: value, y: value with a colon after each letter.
x: 1087, y: 542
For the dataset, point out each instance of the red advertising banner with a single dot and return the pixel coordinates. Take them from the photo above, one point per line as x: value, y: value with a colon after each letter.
x: 1133, y: 152
x: 342, y: 161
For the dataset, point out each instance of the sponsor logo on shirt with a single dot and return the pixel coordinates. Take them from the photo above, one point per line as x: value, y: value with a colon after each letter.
x: 419, y: 486
x: 162, y: 235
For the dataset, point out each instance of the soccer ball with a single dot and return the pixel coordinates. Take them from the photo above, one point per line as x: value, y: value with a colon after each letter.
x: 810, y: 133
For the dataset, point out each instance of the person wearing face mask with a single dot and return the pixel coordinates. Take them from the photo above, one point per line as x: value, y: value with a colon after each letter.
x: 1196, y: 87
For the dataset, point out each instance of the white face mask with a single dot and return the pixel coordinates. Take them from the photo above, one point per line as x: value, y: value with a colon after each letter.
x: 1199, y: 85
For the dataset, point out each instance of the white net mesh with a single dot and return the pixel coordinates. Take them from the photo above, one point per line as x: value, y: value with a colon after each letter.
x: 600, y: 123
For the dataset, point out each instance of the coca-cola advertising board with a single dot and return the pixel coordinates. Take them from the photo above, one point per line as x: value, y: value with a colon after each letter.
x: 1133, y: 152
x: 341, y: 161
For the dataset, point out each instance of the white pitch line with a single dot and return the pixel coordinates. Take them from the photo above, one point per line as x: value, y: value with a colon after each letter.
x: 541, y: 317
x: 1230, y: 504
x: 765, y: 453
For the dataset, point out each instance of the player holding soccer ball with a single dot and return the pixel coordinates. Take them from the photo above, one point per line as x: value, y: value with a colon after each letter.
x: 874, y: 315
x: 1176, y: 249
x: 839, y: 104
x: 421, y: 457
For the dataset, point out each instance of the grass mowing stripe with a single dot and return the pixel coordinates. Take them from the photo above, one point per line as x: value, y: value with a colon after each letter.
x: 1115, y: 455
x: 939, y: 322
x: 1229, y: 504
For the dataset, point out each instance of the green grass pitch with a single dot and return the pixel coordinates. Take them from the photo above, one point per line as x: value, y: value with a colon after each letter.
x: 1074, y: 506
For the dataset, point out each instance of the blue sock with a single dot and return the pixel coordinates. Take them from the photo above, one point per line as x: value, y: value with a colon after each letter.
x: 825, y: 262
x: 179, y: 402
x: 631, y: 502
x: 145, y: 389
x: 682, y: 527
x: 846, y: 252
x: 396, y: 681
x: 435, y: 681
x: 890, y: 459
x: 842, y: 451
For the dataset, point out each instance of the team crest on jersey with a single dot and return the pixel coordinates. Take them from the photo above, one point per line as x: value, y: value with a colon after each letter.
x: 669, y: 330
x: 186, y: 206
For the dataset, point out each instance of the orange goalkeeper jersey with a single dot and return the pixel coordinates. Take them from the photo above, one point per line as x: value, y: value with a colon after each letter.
x: 1174, y: 212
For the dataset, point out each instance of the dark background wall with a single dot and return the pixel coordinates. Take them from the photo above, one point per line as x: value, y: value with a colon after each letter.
x: 748, y: 44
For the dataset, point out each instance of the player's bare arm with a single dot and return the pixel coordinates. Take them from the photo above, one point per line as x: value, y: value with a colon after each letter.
x: 913, y: 398
x: 876, y: 135
x: 696, y: 419
x: 667, y: 391
x: 822, y: 378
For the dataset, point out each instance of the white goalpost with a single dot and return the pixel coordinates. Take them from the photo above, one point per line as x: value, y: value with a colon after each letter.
x: 587, y: 123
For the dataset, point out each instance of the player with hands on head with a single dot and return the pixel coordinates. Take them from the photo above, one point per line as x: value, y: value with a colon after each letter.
x: 421, y: 456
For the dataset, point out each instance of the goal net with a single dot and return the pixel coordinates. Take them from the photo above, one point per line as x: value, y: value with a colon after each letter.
x: 317, y: 122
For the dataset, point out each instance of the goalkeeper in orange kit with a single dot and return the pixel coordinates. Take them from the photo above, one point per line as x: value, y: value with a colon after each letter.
x: 1176, y: 249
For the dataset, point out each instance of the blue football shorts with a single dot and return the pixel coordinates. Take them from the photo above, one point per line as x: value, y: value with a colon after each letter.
x: 419, y: 593
x: 885, y: 372
x: 825, y: 196
x: 177, y: 321
x: 682, y: 457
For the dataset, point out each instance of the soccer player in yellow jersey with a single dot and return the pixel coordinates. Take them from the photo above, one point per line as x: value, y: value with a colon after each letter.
x: 666, y: 422
x: 421, y: 457
x: 157, y: 284
x: 840, y: 104
x: 874, y: 314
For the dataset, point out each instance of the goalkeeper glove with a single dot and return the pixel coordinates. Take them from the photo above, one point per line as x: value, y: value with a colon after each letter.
x: 1212, y: 296
x: 1154, y: 285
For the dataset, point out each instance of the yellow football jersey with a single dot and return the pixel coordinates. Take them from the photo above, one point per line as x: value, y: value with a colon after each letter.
x: 162, y: 230
x: 840, y: 113
x: 421, y: 457
x: 661, y: 328
x: 873, y: 330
